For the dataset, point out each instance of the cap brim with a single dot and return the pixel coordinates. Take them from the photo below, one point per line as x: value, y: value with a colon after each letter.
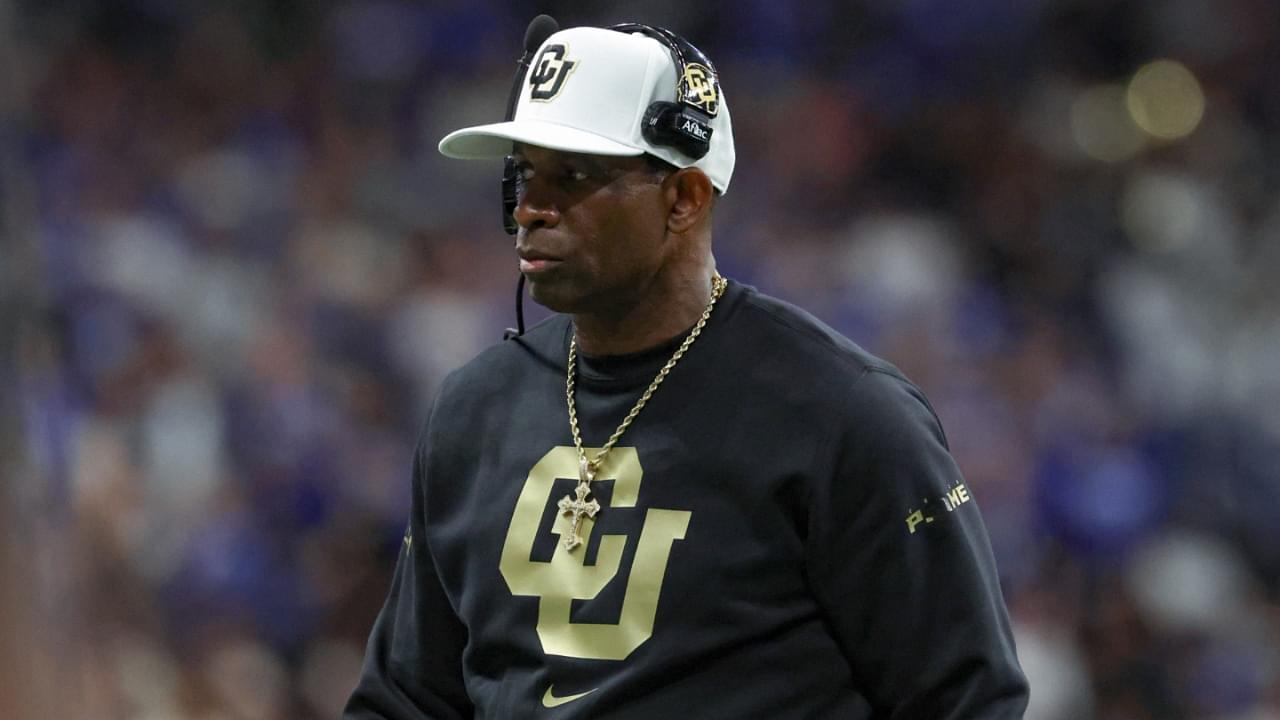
x: 495, y: 140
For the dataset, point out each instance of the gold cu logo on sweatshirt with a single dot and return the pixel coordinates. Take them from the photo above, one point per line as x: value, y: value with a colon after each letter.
x: 565, y: 578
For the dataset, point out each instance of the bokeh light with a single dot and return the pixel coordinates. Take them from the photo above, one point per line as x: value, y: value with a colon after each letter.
x: 1165, y: 100
x: 1162, y: 212
x: 1102, y: 127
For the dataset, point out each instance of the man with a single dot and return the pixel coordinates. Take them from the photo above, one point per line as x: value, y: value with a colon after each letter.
x: 679, y: 496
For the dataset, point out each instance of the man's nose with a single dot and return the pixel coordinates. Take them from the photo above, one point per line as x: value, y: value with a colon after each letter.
x: 535, y: 209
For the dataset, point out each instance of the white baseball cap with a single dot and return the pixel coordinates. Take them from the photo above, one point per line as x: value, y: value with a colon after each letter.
x: 589, y: 95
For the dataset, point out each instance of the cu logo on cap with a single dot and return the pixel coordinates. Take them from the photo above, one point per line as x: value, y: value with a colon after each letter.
x: 550, y: 71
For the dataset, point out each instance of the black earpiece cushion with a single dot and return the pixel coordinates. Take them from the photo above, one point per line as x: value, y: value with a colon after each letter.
x: 672, y: 125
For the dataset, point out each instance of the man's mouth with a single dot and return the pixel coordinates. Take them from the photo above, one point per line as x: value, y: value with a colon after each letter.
x: 533, y: 261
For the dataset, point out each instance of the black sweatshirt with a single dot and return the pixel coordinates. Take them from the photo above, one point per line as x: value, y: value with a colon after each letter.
x: 783, y: 534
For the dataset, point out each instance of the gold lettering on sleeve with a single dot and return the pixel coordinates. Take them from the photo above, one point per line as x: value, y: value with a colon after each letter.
x: 951, y: 499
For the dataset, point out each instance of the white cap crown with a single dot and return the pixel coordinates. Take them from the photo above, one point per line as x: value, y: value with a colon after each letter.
x: 588, y: 91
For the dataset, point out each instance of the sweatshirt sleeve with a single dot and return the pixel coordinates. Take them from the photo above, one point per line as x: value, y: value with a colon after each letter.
x: 413, y: 661
x: 902, y: 566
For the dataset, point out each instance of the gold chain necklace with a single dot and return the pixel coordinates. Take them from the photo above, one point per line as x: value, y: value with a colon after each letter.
x: 580, y: 506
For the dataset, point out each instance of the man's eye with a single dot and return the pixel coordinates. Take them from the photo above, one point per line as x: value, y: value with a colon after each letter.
x: 577, y: 175
x: 524, y: 172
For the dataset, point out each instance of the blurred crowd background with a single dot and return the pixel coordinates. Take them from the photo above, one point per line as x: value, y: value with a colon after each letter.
x: 235, y: 269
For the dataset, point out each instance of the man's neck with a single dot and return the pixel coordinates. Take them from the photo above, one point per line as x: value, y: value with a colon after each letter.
x: 646, y: 324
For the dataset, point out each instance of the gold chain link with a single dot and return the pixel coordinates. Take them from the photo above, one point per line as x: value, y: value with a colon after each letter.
x: 718, y: 285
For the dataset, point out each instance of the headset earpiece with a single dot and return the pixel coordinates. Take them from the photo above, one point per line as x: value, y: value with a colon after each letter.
x: 674, y: 125
x: 684, y: 125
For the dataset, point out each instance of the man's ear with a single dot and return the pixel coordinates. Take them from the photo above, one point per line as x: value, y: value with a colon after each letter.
x: 689, y: 195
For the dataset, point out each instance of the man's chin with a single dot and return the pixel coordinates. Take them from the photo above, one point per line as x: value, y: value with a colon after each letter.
x: 553, y: 296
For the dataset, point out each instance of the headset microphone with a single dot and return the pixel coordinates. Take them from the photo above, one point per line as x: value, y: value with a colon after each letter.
x: 540, y: 28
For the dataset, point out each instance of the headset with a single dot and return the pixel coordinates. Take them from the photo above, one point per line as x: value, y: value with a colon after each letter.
x: 541, y: 28
x: 683, y: 125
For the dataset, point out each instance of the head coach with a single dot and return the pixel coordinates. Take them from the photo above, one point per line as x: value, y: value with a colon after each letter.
x: 677, y: 496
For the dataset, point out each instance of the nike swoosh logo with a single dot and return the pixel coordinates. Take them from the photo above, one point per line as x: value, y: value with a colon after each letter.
x: 550, y: 700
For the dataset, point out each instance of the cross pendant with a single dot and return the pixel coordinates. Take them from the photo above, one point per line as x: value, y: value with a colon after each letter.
x: 580, y: 506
